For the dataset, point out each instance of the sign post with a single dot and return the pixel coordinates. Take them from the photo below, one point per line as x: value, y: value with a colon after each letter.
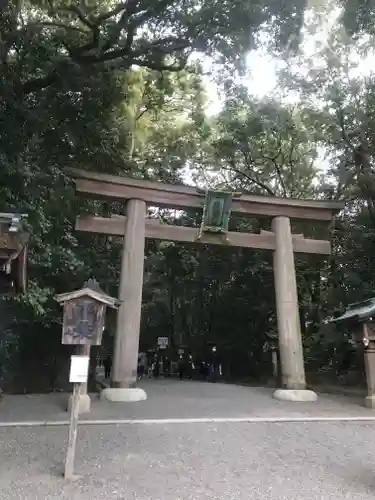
x: 83, y: 325
x: 79, y: 368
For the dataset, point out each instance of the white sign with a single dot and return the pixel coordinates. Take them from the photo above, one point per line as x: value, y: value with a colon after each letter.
x: 79, y: 369
x: 163, y: 342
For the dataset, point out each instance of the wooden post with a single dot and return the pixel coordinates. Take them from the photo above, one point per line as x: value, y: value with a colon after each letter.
x: 369, y: 366
x: 288, y: 321
x: 124, y: 370
x: 84, y: 350
x: 73, y: 427
x: 78, y: 375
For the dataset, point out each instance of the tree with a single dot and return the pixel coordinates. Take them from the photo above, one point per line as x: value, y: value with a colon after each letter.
x: 162, y: 113
x: 44, y: 41
x: 338, y: 100
x: 358, y: 17
x: 263, y: 147
x: 115, y: 123
x: 337, y: 97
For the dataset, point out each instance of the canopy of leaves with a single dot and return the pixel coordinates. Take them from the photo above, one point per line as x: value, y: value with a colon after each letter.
x: 43, y: 42
x: 261, y: 147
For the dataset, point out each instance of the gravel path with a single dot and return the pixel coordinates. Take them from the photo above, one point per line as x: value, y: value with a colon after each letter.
x: 175, y: 399
x: 304, y: 461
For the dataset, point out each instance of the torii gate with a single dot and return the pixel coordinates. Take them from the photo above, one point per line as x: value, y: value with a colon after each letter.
x: 135, y: 227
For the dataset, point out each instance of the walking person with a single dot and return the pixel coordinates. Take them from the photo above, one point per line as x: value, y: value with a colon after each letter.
x: 181, y: 367
x: 141, y: 367
x: 107, y: 363
x: 156, y: 366
x: 191, y: 367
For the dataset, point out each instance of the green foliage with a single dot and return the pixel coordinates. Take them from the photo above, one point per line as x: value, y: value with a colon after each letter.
x: 107, y: 86
x: 44, y: 43
x: 264, y: 147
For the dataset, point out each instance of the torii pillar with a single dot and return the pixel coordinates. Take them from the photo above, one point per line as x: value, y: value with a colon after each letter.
x: 124, y: 369
x: 288, y: 320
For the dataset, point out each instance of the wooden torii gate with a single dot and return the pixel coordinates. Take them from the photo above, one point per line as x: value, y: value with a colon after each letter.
x: 135, y: 227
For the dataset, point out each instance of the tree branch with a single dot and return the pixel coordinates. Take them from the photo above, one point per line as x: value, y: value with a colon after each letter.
x: 61, y: 25
x: 251, y: 179
x: 35, y: 84
x: 80, y: 14
x: 111, y: 13
x: 95, y: 29
x: 273, y: 159
x: 156, y: 65
x: 280, y: 177
x: 341, y: 120
x: 149, y: 55
x: 141, y: 113
x: 150, y: 49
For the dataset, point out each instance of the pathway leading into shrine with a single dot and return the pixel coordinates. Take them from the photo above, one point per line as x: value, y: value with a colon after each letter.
x: 171, y: 399
x: 168, y: 454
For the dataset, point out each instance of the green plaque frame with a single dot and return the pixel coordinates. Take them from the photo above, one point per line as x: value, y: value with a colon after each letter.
x: 216, y: 211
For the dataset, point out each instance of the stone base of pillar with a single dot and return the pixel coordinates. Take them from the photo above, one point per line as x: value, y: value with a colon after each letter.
x: 84, y: 404
x: 121, y: 395
x: 370, y: 402
x: 302, y: 395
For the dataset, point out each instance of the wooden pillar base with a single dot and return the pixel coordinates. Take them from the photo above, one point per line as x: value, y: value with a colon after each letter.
x: 370, y: 372
x: 122, y: 395
x: 302, y: 395
x: 370, y: 402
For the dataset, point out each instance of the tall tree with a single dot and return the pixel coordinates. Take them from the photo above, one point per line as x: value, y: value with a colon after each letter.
x: 73, y: 36
x: 263, y: 147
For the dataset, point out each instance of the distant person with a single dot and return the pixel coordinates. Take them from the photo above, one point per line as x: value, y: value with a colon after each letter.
x: 149, y: 364
x: 156, y: 366
x: 191, y: 367
x: 167, y: 363
x: 347, y: 362
x: 204, y: 370
x: 141, y: 367
x: 181, y: 367
x: 107, y: 363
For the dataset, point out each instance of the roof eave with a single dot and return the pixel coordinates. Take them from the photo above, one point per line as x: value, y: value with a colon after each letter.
x: 88, y: 292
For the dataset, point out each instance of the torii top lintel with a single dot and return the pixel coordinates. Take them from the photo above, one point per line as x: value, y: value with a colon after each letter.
x: 162, y: 195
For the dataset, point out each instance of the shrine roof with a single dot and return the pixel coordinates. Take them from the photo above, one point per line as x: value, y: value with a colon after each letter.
x: 359, y: 311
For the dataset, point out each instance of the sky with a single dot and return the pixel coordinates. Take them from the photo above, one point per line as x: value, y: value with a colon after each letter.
x: 262, y: 67
x: 261, y: 80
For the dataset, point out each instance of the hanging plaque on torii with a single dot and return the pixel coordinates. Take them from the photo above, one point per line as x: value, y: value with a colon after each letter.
x: 216, y: 213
